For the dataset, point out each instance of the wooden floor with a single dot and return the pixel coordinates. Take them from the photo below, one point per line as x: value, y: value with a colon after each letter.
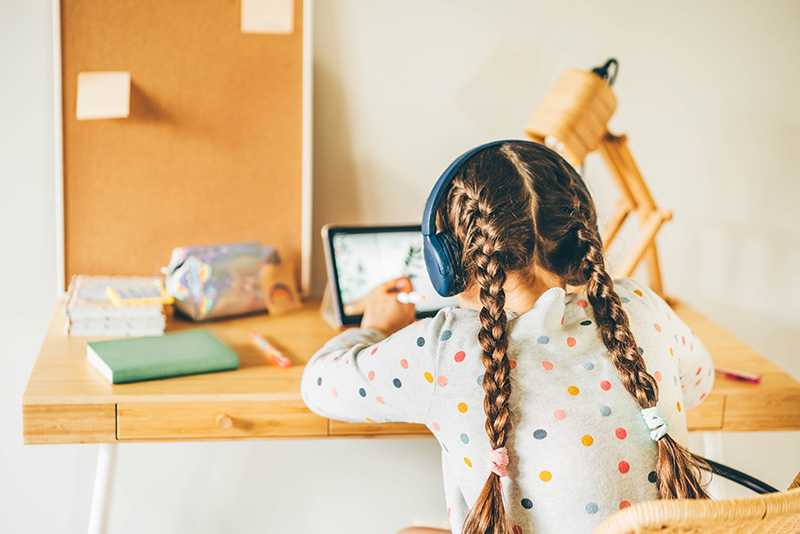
x: 67, y: 401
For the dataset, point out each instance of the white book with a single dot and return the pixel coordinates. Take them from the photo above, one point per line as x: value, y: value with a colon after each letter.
x: 114, y: 332
x: 87, y: 297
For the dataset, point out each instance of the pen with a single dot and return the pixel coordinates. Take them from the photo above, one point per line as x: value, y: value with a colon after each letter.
x: 740, y: 376
x: 270, y: 350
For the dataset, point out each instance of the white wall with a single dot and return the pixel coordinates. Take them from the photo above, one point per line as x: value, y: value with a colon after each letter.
x: 706, y: 93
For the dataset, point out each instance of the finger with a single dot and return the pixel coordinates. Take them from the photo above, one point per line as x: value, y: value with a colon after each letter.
x: 396, y: 284
x: 403, y: 284
x: 354, y: 308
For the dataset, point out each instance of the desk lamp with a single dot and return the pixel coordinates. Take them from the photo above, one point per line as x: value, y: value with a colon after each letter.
x: 573, y: 120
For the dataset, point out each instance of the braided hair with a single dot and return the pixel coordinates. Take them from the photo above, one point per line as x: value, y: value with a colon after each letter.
x: 510, y: 207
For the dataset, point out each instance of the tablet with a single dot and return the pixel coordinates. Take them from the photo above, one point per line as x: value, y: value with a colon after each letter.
x: 362, y: 257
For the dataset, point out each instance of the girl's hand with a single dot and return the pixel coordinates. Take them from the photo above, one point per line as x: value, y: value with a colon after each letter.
x: 382, y: 311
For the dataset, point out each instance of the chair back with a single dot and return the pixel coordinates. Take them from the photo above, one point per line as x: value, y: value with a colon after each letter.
x: 776, y: 513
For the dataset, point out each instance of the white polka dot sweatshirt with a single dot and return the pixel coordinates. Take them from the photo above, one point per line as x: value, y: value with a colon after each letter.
x: 579, y: 449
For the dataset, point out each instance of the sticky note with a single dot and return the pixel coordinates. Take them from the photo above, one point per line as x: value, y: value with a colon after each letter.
x: 103, y: 95
x: 267, y: 16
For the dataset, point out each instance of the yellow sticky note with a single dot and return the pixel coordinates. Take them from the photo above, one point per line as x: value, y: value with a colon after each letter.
x: 103, y: 95
x: 267, y: 16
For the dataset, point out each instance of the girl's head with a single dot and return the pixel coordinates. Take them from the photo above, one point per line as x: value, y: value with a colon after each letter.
x: 515, y: 207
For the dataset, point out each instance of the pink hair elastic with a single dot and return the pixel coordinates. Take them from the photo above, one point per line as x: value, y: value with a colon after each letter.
x: 499, y: 460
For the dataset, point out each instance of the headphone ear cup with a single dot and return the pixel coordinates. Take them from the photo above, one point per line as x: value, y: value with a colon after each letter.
x: 451, y: 250
x: 441, y: 260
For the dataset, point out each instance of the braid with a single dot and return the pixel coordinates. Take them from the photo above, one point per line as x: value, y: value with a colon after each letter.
x: 613, y: 322
x: 484, y: 249
x: 493, y: 340
x: 678, y: 470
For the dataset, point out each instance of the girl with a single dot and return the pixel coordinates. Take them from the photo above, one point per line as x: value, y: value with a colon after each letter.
x: 551, y: 407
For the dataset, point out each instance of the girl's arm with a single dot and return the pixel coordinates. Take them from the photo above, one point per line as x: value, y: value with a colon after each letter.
x: 364, y: 375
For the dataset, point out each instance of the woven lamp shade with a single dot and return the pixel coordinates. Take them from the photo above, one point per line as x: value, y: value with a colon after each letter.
x: 573, y: 117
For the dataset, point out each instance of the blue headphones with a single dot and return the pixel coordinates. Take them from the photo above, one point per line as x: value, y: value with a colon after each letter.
x: 440, y: 249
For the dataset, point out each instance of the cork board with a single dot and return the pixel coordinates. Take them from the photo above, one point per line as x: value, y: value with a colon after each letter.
x: 212, y: 149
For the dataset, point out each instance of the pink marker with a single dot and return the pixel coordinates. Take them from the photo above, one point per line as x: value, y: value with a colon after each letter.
x: 740, y: 376
x: 270, y: 350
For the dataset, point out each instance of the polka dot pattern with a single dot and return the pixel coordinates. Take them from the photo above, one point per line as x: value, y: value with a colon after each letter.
x: 578, y: 413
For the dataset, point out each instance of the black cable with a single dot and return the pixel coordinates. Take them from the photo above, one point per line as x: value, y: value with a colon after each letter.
x: 603, y: 70
x: 740, y: 478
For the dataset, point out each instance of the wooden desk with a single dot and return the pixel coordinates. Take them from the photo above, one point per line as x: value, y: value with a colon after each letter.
x: 67, y: 401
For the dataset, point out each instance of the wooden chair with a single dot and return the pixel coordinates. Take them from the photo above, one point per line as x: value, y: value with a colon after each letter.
x: 777, y: 513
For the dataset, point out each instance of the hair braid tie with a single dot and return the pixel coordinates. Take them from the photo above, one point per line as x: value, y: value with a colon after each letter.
x: 654, y: 422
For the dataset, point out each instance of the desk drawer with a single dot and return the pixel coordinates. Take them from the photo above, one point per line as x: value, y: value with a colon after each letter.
x: 217, y: 420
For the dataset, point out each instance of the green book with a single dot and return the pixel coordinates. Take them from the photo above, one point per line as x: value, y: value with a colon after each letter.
x: 146, y: 358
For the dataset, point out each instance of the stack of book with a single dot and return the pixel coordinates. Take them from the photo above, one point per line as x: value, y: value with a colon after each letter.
x: 115, y: 306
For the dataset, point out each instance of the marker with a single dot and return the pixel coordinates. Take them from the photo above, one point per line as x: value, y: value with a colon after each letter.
x: 740, y: 376
x: 270, y: 350
x: 409, y: 298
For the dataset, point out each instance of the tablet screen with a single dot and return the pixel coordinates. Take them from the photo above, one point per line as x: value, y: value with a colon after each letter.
x: 365, y: 258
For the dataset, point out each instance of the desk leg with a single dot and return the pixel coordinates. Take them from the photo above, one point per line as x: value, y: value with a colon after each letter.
x: 712, y: 449
x: 101, y: 494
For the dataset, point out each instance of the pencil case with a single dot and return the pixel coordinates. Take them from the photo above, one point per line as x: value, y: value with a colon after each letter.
x: 210, y: 282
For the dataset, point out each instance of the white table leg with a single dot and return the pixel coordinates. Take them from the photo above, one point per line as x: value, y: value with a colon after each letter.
x: 712, y: 449
x: 103, y: 482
